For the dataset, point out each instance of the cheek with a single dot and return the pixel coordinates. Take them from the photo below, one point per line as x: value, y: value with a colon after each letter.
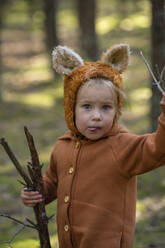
x: 110, y: 118
x: 78, y: 117
x: 81, y: 119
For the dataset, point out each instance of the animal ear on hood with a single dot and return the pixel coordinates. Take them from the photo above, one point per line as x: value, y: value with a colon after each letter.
x: 65, y: 60
x: 117, y: 57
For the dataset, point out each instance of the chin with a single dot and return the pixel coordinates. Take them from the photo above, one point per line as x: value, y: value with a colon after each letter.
x: 92, y: 137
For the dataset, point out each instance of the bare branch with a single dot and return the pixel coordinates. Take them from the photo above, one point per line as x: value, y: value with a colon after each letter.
x: 17, y: 221
x: 31, y: 173
x: 24, y: 184
x: 15, y: 161
x: 162, y: 75
x: 19, y: 230
x: 13, y: 237
x: 33, y: 181
x: 157, y: 71
x: 35, y: 172
x: 157, y: 83
x: 50, y: 217
x: 32, y: 223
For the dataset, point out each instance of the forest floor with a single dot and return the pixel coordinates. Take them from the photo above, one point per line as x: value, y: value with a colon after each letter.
x: 32, y: 97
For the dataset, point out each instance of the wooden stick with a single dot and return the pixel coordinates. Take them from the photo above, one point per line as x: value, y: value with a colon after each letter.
x: 33, y: 182
x: 152, y: 74
x: 36, y: 176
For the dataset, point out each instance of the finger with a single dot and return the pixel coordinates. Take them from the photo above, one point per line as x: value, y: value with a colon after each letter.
x: 25, y: 190
x: 33, y: 198
x: 29, y: 202
x: 30, y: 193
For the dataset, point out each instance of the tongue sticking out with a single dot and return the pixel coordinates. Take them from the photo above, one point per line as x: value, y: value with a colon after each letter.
x: 93, y: 128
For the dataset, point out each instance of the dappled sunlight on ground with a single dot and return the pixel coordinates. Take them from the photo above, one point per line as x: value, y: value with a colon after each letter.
x: 148, y: 207
x: 135, y: 21
x: 33, y: 99
x: 107, y: 23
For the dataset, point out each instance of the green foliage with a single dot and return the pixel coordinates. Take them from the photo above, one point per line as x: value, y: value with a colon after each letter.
x: 26, y: 243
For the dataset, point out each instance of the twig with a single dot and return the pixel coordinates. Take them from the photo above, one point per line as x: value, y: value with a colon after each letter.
x: 157, y: 70
x: 50, y: 217
x: 162, y: 74
x: 24, y: 184
x: 19, y: 230
x: 152, y: 74
x: 17, y: 221
x: 32, y: 223
x: 31, y: 173
x: 13, y: 237
x: 15, y: 161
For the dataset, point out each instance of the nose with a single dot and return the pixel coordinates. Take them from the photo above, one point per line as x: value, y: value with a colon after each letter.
x: 96, y: 115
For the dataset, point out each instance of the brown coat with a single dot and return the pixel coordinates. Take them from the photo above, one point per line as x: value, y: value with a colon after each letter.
x: 95, y: 183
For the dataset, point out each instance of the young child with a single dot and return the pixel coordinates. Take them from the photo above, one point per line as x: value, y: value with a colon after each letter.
x: 94, y: 165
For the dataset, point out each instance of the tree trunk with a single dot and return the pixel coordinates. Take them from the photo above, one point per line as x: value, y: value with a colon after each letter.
x: 50, y: 9
x: 1, y: 26
x: 157, y: 54
x: 88, y: 39
x: 1, y: 82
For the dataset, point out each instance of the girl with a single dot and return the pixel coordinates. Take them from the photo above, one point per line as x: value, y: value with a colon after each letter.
x: 94, y: 165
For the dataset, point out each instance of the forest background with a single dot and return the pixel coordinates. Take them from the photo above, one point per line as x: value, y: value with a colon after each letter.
x: 31, y: 94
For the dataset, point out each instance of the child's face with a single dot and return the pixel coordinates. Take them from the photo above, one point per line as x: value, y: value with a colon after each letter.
x: 94, y: 111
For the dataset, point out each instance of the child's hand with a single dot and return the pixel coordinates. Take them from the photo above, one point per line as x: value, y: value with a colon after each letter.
x: 163, y: 99
x: 30, y: 198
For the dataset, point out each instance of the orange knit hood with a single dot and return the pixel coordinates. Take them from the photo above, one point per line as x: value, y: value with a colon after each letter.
x: 65, y: 61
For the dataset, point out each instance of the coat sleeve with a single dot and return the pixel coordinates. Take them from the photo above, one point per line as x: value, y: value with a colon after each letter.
x: 50, y: 180
x: 137, y: 154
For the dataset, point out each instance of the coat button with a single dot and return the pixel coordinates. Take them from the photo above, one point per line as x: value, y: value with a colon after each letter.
x: 71, y: 170
x: 77, y: 144
x: 66, y: 228
x: 66, y: 199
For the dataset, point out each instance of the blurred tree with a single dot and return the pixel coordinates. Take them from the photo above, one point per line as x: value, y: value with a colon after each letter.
x: 50, y: 10
x: 2, y: 5
x: 88, y: 38
x: 0, y: 56
x: 47, y: 9
x: 157, y: 53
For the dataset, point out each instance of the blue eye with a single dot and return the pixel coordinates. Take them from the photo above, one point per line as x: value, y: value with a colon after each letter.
x: 86, y: 106
x: 106, y: 107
